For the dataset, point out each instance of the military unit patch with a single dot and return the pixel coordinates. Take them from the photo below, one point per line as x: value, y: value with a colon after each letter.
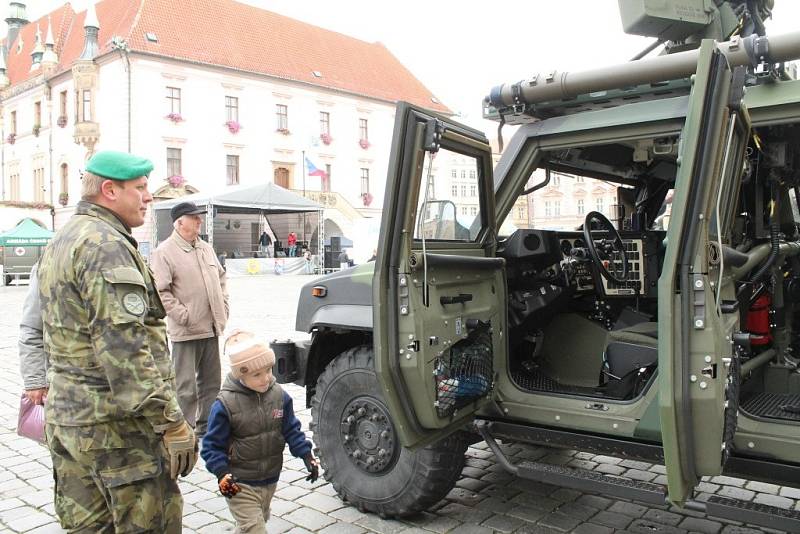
x: 277, y: 413
x: 133, y: 303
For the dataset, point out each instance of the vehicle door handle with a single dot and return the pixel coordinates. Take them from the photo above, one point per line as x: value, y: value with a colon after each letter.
x: 461, y: 297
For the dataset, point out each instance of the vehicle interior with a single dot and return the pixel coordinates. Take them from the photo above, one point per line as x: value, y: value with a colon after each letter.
x: 582, y: 301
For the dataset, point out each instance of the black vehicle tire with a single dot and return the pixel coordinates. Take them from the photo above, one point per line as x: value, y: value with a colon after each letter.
x: 398, y: 482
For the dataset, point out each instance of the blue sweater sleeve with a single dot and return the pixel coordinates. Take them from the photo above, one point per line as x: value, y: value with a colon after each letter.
x: 299, y: 446
x: 215, y: 442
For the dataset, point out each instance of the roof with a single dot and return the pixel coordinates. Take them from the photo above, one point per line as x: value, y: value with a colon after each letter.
x: 25, y: 233
x: 226, y: 33
x: 268, y: 197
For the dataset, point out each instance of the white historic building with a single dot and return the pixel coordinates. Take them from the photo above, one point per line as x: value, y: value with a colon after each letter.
x: 215, y: 93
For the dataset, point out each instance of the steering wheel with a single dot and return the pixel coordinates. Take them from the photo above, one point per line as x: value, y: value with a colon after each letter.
x: 606, y: 252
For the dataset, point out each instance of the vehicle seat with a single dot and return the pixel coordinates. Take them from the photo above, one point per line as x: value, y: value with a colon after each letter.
x: 630, y: 359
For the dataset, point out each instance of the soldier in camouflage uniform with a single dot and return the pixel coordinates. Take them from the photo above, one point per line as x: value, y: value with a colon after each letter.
x: 117, y: 437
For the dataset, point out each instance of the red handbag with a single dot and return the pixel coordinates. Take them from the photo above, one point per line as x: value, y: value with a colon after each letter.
x: 30, y: 423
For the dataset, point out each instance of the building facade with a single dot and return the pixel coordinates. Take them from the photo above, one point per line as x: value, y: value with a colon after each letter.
x: 216, y: 94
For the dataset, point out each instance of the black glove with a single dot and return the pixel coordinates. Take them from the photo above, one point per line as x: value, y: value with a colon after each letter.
x: 228, y: 486
x: 312, y: 464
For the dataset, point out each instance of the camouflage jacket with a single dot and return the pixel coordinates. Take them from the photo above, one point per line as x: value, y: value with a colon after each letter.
x: 103, y: 326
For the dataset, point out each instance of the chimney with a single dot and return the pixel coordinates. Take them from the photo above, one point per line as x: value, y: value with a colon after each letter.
x: 16, y: 20
x: 92, y: 27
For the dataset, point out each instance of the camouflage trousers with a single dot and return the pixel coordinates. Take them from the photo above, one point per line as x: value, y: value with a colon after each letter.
x: 112, y: 478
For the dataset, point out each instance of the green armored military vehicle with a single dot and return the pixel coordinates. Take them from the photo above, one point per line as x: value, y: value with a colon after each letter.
x: 668, y: 333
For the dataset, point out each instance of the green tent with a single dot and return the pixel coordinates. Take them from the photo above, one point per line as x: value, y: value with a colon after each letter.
x: 25, y: 234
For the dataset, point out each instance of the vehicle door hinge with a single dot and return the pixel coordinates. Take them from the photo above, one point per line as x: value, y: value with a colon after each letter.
x: 433, y: 135
x: 402, y: 294
x: 698, y: 301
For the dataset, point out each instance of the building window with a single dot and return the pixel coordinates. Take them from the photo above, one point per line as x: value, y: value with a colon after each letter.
x: 581, y: 207
x: 473, y: 210
x: 13, y: 125
x: 520, y: 213
x: 463, y: 175
x: 599, y: 205
x: 174, y: 162
x: 556, y: 180
x: 557, y: 208
x: 463, y: 210
x: 77, y: 105
x: 38, y: 185
x: 363, y: 131
x: 473, y: 189
x: 324, y: 123
x: 472, y: 174
x: 548, y: 209
x: 232, y: 108
x: 14, y: 186
x: 87, y: 105
x: 37, y: 114
x: 463, y: 190
x: 173, y: 100
x: 282, y: 117
x: 64, y: 179
x: 364, y: 181
x: 453, y: 173
x: 579, y: 179
x: 454, y: 189
x: 62, y: 107
x: 232, y: 169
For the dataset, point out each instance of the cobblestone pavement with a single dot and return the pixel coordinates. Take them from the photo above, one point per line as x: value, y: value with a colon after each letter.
x: 486, y: 498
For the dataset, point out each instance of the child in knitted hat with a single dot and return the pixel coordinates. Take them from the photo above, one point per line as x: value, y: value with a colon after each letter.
x: 250, y: 423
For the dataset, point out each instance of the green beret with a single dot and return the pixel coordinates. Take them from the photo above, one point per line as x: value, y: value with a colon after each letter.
x: 119, y: 165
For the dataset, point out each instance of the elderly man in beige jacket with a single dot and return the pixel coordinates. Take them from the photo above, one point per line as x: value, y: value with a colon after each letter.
x: 191, y: 283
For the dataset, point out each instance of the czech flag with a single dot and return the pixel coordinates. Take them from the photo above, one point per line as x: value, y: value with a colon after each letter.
x: 312, y: 170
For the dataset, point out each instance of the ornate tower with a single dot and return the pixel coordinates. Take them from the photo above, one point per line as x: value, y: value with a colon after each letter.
x: 49, y: 58
x: 16, y: 19
x: 84, y: 74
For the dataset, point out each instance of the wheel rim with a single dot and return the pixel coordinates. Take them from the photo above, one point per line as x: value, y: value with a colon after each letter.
x: 368, y: 436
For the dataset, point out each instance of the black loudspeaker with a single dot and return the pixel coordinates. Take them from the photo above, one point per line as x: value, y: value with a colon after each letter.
x: 336, y: 244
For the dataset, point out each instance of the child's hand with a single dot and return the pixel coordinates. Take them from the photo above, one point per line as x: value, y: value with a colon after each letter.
x: 312, y: 464
x: 228, y: 486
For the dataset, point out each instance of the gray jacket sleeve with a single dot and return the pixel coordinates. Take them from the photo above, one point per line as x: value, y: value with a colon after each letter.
x: 32, y: 357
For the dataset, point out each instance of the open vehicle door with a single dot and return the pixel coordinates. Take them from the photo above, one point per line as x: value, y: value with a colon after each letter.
x: 439, y: 293
x: 698, y: 364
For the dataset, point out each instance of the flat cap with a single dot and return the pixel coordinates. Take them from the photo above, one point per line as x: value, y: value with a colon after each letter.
x: 185, y: 208
x: 119, y: 165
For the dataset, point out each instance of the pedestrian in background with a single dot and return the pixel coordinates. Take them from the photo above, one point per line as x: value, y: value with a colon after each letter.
x: 291, y: 242
x: 309, y: 265
x: 117, y: 437
x: 264, y: 242
x: 191, y: 283
x: 32, y: 357
x: 245, y: 450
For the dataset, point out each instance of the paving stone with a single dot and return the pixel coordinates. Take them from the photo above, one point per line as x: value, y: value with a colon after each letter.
x: 728, y: 481
x: 475, y: 529
x: 762, y: 487
x: 736, y: 529
x: 463, y: 513
x: 646, y: 526
x: 341, y: 528
x: 536, y: 501
x: 308, y: 518
x: 696, y: 524
x: 578, y: 511
x: 592, y: 528
x: 466, y: 497
x: 323, y: 503
x: 792, y: 493
x: 560, y: 521
x: 609, y: 469
x: 278, y: 525
x: 662, y: 516
x: 658, y: 468
x: 348, y: 514
x: 8, y: 504
x: 774, y: 500
x: 382, y: 526
x: 612, y: 519
x: 594, y: 501
x: 213, y: 505
x: 628, y: 508
x: 635, y: 464
x: 290, y: 493
x: 472, y: 484
x: 638, y: 474
x: 472, y: 472
x: 500, y: 477
x: 198, y: 519
x: 49, y: 528
x: 281, y: 507
x: 527, y: 513
x: 503, y: 523
x: 707, y: 487
x: 221, y: 526
x: 432, y: 522
x: 582, y: 464
x: 557, y: 459
x: 736, y: 493
x: 30, y: 520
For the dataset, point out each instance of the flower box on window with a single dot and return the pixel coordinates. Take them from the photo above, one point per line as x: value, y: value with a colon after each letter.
x: 62, y: 121
x: 233, y: 126
x: 176, y: 180
x: 63, y: 199
x: 363, y: 143
x: 36, y: 129
x: 326, y: 138
x: 175, y: 117
x: 283, y: 131
x: 12, y: 137
x: 366, y: 198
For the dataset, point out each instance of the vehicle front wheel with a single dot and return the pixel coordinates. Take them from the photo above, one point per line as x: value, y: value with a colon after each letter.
x: 361, y: 452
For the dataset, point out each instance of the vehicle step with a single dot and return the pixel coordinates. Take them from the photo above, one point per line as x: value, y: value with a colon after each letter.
x: 753, y: 513
x: 583, y: 480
